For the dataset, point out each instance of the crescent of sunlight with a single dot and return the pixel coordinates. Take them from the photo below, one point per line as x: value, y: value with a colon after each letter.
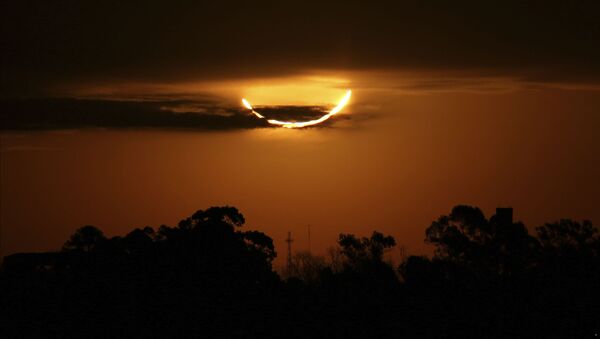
x: 300, y: 124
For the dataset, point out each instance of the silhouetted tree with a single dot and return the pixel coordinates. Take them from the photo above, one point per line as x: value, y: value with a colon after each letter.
x: 85, y: 239
x: 569, y: 251
x: 335, y: 259
x: 139, y: 240
x: 363, y: 265
x: 210, y: 242
x: 260, y: 244
x: 457, y: 236
x: 365, y: 249
x: 568, y: 237
x: 466, y: 237
x: 208, y: 277
x: 307, y: 267
x: 222, y: 218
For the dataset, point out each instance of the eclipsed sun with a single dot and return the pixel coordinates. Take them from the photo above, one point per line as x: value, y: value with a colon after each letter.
x: 300, y: 124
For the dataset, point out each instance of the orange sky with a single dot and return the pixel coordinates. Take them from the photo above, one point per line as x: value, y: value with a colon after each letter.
x: 122, y: 115
x: 407, y: 157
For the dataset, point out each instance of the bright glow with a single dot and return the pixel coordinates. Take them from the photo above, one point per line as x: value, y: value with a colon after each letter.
x: 293, y: 124
x: 248, y: 106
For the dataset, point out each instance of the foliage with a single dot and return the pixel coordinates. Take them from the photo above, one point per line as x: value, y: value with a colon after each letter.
x: 207, y: 277
x: 358, y: 250
x: 85, y: 239
x: 466, y: 237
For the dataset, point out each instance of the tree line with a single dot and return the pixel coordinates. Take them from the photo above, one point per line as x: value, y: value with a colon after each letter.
x: 488, y: 277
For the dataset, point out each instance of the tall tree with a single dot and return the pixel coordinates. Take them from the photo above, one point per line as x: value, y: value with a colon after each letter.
x: 85, y: 239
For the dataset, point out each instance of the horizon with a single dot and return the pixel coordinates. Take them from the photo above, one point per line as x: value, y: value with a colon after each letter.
x: 299, y: 169
x: 394, y: 170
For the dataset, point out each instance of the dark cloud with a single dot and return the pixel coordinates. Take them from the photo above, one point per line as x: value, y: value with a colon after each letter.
x: 73, y: 113
x: 49, y: 42
x: 43, y: 114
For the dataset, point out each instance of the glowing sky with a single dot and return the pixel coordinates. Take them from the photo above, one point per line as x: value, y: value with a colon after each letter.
x: 415, y: 157
x: 124, y: 114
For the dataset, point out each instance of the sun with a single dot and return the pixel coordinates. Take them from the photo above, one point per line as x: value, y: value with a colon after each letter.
x: 299, y: 124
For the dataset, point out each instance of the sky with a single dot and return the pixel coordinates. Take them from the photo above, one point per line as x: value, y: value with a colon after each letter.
x: 123, y: 115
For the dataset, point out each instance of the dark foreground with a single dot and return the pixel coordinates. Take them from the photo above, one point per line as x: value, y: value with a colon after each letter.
x: 207, y: 278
